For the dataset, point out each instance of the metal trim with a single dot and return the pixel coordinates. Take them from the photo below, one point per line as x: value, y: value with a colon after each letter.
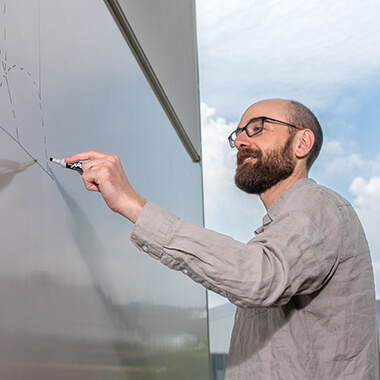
x: 142, y: 60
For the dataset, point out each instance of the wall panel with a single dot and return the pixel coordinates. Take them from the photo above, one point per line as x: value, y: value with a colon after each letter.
x: 78, y: 301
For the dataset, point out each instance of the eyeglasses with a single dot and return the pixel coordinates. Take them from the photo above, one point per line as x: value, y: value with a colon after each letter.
x: 254, y: 127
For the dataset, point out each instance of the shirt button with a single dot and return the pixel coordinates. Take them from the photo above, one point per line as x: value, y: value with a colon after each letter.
x: 185, y: 271
x: 145, y: 248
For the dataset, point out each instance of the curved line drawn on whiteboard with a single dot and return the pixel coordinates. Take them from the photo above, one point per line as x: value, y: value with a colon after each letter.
x: 20, y: 95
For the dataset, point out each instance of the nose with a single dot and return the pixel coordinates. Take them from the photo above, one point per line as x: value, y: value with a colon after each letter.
x: 242, y: 141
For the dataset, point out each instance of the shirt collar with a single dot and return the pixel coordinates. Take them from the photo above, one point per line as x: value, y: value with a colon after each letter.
x: 276, y: 207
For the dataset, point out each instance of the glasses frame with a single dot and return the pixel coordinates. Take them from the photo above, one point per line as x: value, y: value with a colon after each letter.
x: 263, y: 119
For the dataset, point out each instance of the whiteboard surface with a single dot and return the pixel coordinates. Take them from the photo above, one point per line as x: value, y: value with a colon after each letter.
x: 77, y: 298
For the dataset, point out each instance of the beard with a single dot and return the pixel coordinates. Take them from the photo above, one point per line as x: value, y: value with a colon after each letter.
x: 255, y: 178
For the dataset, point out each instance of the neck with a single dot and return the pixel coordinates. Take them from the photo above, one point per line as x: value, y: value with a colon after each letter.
x: 270, y: 196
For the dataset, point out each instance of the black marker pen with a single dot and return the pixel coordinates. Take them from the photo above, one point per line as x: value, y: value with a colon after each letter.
x: 75, y: 166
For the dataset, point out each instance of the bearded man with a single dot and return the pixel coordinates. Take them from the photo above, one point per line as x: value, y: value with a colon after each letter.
x: 303, y: 286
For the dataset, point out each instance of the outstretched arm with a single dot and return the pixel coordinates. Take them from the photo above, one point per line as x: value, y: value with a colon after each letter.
x: 104, y: 173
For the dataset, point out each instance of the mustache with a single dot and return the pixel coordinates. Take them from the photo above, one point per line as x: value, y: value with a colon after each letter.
x: 245, y: 153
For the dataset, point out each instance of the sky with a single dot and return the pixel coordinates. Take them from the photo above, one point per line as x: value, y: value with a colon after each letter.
x: 325, y: 55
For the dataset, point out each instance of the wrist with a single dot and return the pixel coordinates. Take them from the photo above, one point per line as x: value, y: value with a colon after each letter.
x: 133, y: 208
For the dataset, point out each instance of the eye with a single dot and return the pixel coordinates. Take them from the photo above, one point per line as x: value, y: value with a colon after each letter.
x: 254, y: 127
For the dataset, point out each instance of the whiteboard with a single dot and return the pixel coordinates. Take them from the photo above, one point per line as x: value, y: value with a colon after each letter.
x: 78, y: 300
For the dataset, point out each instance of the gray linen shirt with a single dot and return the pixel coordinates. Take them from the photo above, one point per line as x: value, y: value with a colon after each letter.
x: 303, y: 286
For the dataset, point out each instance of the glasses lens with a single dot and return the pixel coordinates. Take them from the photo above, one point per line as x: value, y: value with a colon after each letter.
x: 232, y: 138
x: 254, y: 127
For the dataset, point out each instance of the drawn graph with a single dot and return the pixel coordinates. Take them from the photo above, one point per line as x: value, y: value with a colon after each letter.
x: 21, y: 116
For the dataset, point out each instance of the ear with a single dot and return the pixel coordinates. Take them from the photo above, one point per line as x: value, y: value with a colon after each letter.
x: 305, y: 141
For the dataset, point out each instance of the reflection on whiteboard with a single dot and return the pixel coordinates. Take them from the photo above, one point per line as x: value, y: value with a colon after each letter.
x: 8, y: 169
x: 20, y: 90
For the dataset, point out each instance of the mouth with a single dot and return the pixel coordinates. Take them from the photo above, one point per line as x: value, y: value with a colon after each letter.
x: 248, y: 159
x: 244, y: 160
x: 247, y: 155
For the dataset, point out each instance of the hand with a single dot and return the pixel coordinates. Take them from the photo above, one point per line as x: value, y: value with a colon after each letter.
x: 104, y: 173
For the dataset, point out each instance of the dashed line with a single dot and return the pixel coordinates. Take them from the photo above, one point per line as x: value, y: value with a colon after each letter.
x: 5, y: 80
x: 9, y: 91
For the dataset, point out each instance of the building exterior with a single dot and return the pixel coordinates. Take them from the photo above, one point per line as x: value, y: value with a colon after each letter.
x: 221, y: 320
x: 78, y: 300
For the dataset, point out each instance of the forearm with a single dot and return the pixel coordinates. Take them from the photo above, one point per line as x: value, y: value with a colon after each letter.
x: 244, y: 274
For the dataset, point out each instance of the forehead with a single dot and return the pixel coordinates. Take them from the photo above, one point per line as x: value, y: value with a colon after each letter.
x: 275, y: 109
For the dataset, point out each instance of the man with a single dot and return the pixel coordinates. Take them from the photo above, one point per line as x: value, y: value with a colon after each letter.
x: 303, y: 286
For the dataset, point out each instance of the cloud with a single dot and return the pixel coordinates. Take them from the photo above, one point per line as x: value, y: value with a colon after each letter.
x: 227, y: 209
x: 333, y: 147
x: 305, y: 50
x: 218, y: 158
x: 342, y: 159
x: 366, y: 192
x: 366, y: 202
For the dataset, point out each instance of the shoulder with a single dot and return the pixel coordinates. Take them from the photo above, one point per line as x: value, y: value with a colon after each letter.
x: 306, y: 200
x: 307, y: 194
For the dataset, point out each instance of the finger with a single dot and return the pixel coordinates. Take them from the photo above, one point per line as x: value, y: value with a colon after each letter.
x: 92, y: 186
x: 84, y: 156
x: 92, y: 164
x: 89, y: 179
x: 96, y: 172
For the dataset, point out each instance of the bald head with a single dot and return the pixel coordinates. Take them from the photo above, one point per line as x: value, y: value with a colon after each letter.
x: 291, y: 112
x: 274, y: 108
